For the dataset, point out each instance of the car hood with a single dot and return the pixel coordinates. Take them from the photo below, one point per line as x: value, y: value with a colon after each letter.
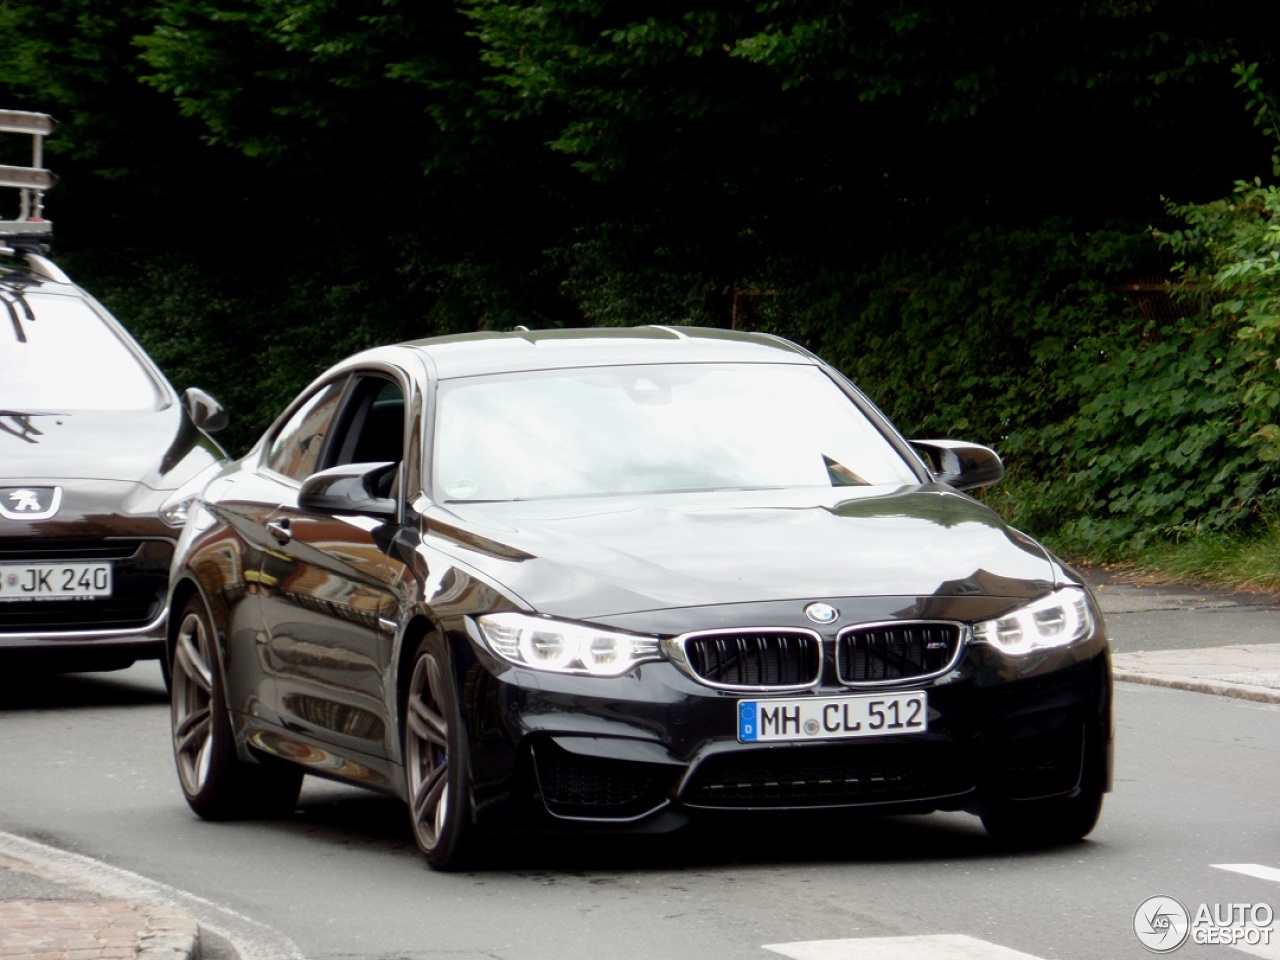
x: 601, y: 557
x: 157, y: 448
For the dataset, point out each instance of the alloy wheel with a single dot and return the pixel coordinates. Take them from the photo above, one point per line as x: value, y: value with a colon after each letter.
x: 427, y: 753
x: 191, y: 702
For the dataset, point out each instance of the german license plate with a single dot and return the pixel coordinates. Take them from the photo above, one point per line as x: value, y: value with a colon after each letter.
x: 832, y: 718
x: 54, y: 581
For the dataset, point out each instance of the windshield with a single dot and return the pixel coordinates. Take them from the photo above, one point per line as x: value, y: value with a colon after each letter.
x: 653, y: 429
x: 57, y: 354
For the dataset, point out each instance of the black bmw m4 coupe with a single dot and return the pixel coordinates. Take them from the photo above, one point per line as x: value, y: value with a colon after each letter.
x: 625, y: 579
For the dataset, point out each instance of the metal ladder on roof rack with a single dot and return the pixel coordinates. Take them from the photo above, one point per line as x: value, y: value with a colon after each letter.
x: 29, y: 233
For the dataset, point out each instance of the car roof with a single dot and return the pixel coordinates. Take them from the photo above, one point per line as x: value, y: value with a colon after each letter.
x: 472, y: 354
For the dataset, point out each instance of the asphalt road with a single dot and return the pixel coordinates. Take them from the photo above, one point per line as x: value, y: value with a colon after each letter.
x: 341, y: 880
x: 85, y: 768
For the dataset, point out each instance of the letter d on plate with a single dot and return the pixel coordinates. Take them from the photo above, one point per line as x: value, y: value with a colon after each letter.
x: 748, y: 727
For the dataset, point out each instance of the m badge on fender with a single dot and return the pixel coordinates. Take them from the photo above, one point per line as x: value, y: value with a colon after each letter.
x: 29, y: 503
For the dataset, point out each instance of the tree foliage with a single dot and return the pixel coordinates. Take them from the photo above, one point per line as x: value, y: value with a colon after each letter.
x: 951, y: 201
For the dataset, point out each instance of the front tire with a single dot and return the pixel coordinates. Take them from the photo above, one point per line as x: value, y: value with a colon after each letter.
x: 436, y: 761
x: 218, y: 785
x: 1044, y: 823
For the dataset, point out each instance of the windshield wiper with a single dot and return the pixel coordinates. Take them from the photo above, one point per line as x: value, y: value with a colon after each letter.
x: 19, y: 425
x: 12, y: 298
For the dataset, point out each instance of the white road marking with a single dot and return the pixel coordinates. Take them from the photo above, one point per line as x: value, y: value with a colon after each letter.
x: 1268, y: 951
x: 946, y: 946
x: 1251, y: 870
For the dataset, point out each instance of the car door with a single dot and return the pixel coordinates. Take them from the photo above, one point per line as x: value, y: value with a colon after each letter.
x: 244, y: 503
x: 333, y: 586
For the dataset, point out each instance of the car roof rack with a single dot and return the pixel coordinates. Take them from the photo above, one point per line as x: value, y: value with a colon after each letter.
x: 29, y: 234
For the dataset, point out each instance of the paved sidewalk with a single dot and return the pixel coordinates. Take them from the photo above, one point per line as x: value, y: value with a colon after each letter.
x: 1247, y: 671
x: 50, y: 912
x: 1188, y: 637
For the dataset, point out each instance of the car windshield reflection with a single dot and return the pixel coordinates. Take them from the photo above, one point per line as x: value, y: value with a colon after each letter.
x: 654, y: 429
x: 68, y: 359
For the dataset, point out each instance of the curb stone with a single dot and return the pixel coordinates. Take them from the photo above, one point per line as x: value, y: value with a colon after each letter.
x: 49, y: 913
x: 1221, y: 688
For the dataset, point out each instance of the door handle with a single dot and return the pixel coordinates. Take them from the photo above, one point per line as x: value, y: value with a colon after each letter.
x: 280, y: 531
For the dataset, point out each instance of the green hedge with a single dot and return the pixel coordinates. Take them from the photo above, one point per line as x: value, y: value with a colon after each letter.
x: 1119, y: 426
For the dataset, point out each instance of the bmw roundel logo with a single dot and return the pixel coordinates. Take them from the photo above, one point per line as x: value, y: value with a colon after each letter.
x: 821, y: 613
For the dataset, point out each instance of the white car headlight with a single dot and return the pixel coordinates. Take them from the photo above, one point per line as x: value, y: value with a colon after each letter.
x: 175, y: 511
x: 177, y: 506
x: 1057, y: 620
x: 563, y: 647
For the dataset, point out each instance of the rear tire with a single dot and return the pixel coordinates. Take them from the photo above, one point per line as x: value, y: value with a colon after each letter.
x: 436, y: 761
x: 218, y: 784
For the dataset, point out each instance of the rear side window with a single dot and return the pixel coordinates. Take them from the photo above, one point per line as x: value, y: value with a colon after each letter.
x: 57, y: 354
x: 295, y: 451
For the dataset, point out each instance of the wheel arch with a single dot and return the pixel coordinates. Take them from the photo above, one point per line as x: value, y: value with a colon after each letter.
x: 462, y: 659
x: 417, y: 629
x: 181, y: 592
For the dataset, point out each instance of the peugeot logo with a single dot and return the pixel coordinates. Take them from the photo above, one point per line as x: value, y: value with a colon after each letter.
x: 27, y: 500
x: 29, y: 503
x: 821, y: 613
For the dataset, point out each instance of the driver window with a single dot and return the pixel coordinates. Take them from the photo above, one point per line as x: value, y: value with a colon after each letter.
x: 372, y: 428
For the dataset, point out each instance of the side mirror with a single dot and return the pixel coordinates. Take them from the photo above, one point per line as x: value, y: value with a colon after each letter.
x: 205, y: 412
x: 352, y: 488
x: 965, y: 466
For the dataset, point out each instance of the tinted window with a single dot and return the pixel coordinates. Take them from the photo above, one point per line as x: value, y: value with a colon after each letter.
x: 63, y: 356
x: 295, y: 452
x: 587, y: 432
x: 373, y: 423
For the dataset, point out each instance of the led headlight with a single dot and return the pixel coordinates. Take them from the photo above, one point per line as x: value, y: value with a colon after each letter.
x: 1057, y: 620
x: 562, y: 647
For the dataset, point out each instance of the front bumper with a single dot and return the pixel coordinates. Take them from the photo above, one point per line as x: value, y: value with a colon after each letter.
x: 128, y: 625
x: 652, y: 749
